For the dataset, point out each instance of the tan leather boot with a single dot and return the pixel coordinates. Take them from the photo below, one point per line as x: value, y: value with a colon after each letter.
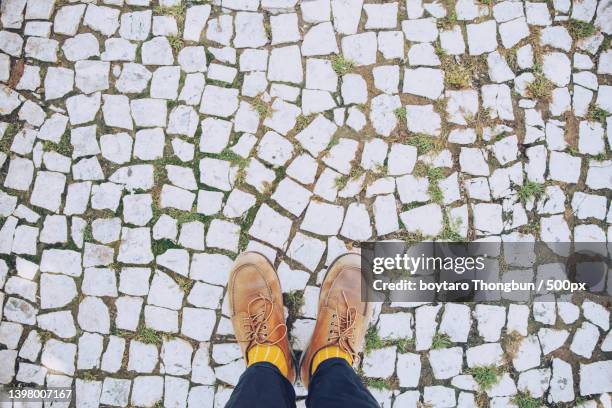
x: 343, y: 317
x: 256, y: 304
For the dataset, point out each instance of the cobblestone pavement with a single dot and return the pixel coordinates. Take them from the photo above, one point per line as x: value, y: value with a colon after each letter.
x: 144, y: 145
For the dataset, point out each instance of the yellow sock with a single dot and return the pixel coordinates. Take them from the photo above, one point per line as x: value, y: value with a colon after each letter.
x: 269, y: 354
x: 329, y: 352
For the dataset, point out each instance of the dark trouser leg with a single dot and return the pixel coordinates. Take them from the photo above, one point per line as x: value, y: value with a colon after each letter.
x: 335, y: 384
x: 262, y: 386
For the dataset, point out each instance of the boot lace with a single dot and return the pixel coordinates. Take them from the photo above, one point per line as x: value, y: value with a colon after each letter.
x: 342, y: 329
x: 256, y: 323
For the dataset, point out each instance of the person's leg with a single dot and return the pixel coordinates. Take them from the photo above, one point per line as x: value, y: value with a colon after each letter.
x: 335, y: 384
x: 338, y: 338
x: 258, y: 319
x: 262, y: 386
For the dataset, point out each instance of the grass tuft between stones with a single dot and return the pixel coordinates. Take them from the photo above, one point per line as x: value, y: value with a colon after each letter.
x: 294, y: 302
x: 541, y: 88
x: 450, y: 230
x: 302, y: 121
x: 424, y: 143
x: 261, y: 107
x: 177, y: 11
x: 376, y: 383
x: 400, y: 113
x: 175, y: 42
x: 148, y: 336
x: 448, y: 22
x: 161, y: 246
x: 403, y: 345
x: 580, y: 29
x: 373, y: 342
x: 530, y: 190
x: 456, y: 75
x: 440, y: 341
x: 485, y: 376
x: 342, y: 65
x: 597, y: 114
x: 524, y: 400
